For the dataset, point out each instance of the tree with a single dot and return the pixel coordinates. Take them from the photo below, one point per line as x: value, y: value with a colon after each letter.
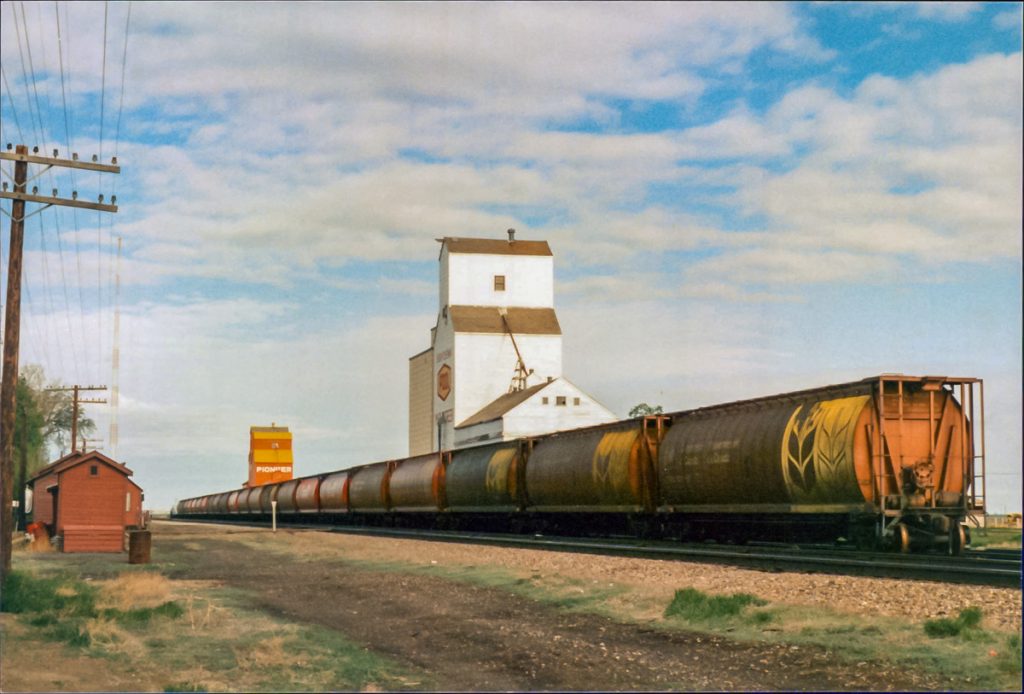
x: 643, y: 409
x: 28, y: 442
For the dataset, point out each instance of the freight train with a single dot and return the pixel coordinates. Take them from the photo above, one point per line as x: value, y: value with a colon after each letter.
x: 894, y: 461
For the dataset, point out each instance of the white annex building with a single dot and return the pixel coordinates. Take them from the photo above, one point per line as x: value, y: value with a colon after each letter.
x: 494, y: 368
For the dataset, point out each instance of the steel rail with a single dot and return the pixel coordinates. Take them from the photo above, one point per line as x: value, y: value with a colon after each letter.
x: 944, y: 569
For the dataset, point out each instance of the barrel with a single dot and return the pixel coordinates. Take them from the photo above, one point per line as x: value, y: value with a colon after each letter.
x: 139, y: 545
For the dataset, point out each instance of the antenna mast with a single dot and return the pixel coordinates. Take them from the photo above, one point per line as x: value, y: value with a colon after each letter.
x: 115, y: 357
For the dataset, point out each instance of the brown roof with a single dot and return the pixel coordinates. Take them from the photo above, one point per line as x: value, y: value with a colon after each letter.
x: 502, y: 405
x: 496, y: 246
x: 487, y: 319
x: 73, y: 459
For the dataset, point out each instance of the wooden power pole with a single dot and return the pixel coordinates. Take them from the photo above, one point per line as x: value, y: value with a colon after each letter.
x: 75, y: 401
x: 12, y: 318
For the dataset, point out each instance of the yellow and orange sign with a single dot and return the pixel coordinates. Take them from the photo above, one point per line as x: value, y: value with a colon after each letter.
x: 270, y: 455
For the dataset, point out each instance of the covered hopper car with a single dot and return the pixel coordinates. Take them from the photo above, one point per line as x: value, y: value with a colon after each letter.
x: 891, y: 460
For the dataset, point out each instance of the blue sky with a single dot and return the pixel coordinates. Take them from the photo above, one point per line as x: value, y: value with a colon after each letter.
x: 742, y: 199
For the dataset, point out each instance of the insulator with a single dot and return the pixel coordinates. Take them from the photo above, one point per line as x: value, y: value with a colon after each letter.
x: 5, y: 185
x: 74, y: 195
x: 35, y: 189
x: 114, y: 161
x: 95, y: 158
x: 101, y: 197
x: 10, y: 146
x: 54, y: 192
x: 113, y: 199
x: 35, y: 150
x: 74, y: 156
x: 54, y: 154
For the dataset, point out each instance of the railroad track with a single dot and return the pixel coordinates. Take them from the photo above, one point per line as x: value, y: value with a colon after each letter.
x: 973, y: 568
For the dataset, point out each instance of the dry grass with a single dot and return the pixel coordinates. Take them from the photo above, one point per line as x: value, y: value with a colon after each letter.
x: 269, y: 653
x: 133, y: 590
x: 110, y: 637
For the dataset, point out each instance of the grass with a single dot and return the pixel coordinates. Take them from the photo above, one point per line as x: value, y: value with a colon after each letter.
x: 207, y: 639
x: 1001, y: 538
x: 67, y: 609
x: 966, y: 622
x: 694, y: 606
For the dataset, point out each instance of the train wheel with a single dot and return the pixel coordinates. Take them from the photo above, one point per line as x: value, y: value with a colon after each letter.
x: 957, y: 539
x: 901, y: 537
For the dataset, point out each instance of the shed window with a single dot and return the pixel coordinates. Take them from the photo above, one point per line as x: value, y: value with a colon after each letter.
x: 560, y: 400
x: 576, y: 402
x: 544, y: 400
x: 94, y: 470
x: 499, y: 283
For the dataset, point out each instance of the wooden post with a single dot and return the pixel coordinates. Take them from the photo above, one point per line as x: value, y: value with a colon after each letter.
x: 9, y: 385
x: 12, y: 318
x: 74, y: 420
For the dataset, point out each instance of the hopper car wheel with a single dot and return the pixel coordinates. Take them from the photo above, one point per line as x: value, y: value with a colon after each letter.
x: 957, y: 539
x: 901, y: 537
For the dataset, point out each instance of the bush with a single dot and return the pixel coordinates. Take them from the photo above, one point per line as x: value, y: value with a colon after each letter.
x: 694, y: 606
x: 968, y: 619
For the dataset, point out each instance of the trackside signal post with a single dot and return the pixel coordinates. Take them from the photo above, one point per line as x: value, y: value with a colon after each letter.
x: 12, y: 319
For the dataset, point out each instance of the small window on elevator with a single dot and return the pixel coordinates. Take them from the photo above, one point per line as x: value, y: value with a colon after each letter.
x: 499, y: 283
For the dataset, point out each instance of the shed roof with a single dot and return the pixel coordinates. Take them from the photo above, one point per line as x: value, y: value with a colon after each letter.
x: 487, y: 319
x: 495, y: 246
x: 498, y: 408
x: 72, y: 459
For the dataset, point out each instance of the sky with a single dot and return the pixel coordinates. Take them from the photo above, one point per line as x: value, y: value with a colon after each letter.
x: 742, y: 199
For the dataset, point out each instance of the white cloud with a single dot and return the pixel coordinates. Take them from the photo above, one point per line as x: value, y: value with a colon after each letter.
x: 1009, y: 19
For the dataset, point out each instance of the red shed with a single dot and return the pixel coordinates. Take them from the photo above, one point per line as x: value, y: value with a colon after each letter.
x: 89, y: 500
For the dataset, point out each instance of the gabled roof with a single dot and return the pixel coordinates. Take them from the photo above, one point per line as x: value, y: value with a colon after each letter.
x: 72, y: 459
x: 487, y: 319
x: 498, y: 408
x: 495, y: 246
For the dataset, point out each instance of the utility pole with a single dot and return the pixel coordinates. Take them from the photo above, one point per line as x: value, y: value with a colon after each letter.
x: 75, y: 400
x: 86, y: 442
x: 12, y: 317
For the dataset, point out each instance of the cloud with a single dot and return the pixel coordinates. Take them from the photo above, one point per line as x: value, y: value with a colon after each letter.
x: 1009, y: 19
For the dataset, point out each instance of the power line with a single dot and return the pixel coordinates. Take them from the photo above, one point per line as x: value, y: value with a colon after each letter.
x: 99, y: 217
x: 32, y: 71
x: 124, y: 62
x: 68, y: 123
x: 10, y: 98
x: 76, y: 345
x: 34, y: 122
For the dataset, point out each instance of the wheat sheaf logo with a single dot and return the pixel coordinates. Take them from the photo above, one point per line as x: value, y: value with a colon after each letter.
x: 799, y: 452
x: 817, y: 450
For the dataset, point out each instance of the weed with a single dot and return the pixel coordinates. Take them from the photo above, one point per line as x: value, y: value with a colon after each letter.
x: 966, y: 622
x: 694, y: 606
x: 183, y: 687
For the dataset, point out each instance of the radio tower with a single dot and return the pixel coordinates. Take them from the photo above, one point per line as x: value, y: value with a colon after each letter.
x: 115, y: 357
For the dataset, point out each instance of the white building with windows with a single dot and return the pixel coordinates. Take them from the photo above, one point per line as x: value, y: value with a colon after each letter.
x: 494, y: 367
